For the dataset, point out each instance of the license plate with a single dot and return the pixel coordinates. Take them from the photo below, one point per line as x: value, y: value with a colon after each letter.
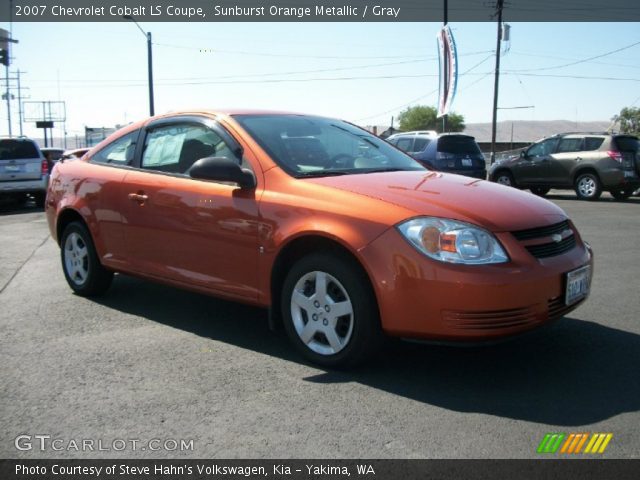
x: 12, y: 168
x: 578, y: 282
x: 466, y: 162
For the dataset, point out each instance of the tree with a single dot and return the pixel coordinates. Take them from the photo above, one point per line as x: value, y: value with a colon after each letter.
x: 422, y: 117
x: 629, y: 119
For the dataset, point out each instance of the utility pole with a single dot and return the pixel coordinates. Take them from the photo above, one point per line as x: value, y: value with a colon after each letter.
x: 149, y: 62
x: 499, y: 7
x: 19, y: 104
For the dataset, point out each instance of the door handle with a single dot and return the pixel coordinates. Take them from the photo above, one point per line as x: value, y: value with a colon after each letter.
x: 138, y: 197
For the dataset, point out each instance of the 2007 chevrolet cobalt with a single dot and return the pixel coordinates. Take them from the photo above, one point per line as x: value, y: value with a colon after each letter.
x: 342, y: 236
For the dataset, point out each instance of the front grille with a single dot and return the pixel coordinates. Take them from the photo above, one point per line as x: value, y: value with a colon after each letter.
x: 489, y: 320
x: 549, y: 247
x: 541, y: 231
x: 552, y: 249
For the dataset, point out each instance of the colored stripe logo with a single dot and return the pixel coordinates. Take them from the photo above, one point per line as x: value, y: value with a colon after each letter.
x: 573, y: 443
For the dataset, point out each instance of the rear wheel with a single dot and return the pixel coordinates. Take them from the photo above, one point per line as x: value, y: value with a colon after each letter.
x: 587, y: 186
x: 330, y: 313
x: 621, y: 195
x: 540, y: 191
x: 82, y: 269
x: 503, y: 177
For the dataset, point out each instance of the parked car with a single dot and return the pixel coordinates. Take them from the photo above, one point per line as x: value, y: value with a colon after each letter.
x: 74, y: 154
x: 52, y: 155
x: 449, y: 152
x: 23, y: 170
x: 341, y: 236
x: 589, y: 163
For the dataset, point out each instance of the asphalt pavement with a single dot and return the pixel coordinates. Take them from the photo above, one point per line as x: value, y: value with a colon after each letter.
x: 147, y: 361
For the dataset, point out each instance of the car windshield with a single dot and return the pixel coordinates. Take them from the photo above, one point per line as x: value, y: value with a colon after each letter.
x: 17, y: 149
x: 307, y: 146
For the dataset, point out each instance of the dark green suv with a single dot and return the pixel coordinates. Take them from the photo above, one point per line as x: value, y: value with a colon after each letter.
x: 589, y: 163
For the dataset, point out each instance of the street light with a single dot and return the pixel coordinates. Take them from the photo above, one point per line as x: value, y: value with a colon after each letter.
x: 149, y: 61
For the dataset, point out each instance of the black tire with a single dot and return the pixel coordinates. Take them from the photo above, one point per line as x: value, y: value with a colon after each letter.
x: 588, y: 186
x: 504, y: 177
x: 540, y: 191
x: 621, y: 195
x: 365, y: 331
x: 95, y: 279
x: 40, y: 198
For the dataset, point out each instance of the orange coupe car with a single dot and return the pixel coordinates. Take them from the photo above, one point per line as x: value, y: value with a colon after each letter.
x: 340, y: 235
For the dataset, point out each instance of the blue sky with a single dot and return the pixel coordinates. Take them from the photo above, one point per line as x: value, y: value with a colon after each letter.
x: 100, y: 69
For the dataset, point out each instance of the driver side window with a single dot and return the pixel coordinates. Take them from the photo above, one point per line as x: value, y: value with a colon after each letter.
x: 175, y: 148
x: 545, y: 147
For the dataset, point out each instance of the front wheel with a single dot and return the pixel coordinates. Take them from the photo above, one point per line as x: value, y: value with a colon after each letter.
x: 82, y: 268
x: 587, y: 186
x: 330, y: 312
x: 505, y: 178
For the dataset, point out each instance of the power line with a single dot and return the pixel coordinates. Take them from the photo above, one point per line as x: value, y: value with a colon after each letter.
x: 466, y: 72
x: 584, y: 60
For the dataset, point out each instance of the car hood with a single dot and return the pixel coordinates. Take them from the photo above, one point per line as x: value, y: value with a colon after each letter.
x: 495, y: 207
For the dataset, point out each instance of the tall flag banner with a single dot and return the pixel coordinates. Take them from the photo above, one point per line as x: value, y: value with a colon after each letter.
x: 448, y: 56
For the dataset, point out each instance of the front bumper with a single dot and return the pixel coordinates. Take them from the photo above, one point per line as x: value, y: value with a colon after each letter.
x: 422, y: 298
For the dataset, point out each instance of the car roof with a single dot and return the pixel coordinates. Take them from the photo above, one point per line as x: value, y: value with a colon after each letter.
x: 431, y: 133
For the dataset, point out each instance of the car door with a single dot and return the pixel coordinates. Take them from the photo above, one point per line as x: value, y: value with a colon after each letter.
x: 194, y: 232
x: 532, y: 166
x: 101, y: 191
x: 563, y: 161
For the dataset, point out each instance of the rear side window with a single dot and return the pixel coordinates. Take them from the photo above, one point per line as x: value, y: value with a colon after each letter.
x: 458, y: 144
x: 592, y: 143
x: 420, y: 144
x: 569, y: 145
x: 17, y: 149
x: 118, y: 152
x: 404, y: 144
x: 627, y: 144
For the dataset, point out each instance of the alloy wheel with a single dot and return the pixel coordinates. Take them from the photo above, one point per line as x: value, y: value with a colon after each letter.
x: 322, y: 313
x: 76, y: 258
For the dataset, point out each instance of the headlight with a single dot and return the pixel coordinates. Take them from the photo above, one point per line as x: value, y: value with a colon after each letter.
x: 452, y: 241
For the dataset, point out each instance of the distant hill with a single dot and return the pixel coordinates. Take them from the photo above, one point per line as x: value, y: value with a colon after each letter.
x: 525, y: 131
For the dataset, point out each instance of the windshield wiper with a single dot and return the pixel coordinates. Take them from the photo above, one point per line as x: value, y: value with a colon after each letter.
x: 384, y: 169
x: 323, y: 173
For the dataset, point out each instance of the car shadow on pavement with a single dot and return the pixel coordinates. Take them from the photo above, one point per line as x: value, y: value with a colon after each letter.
x: 570, y: 373
x: 8, y: 207
x: 562, y: 195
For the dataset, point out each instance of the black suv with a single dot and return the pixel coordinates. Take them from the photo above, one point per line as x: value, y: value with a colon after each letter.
x: 586, y: 162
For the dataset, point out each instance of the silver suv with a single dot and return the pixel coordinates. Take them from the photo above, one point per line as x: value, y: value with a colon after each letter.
x: 23, y: 170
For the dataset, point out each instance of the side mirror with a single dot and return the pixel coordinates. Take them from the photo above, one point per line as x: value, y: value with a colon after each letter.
x: 523, y: 154
x: 222, y: 169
